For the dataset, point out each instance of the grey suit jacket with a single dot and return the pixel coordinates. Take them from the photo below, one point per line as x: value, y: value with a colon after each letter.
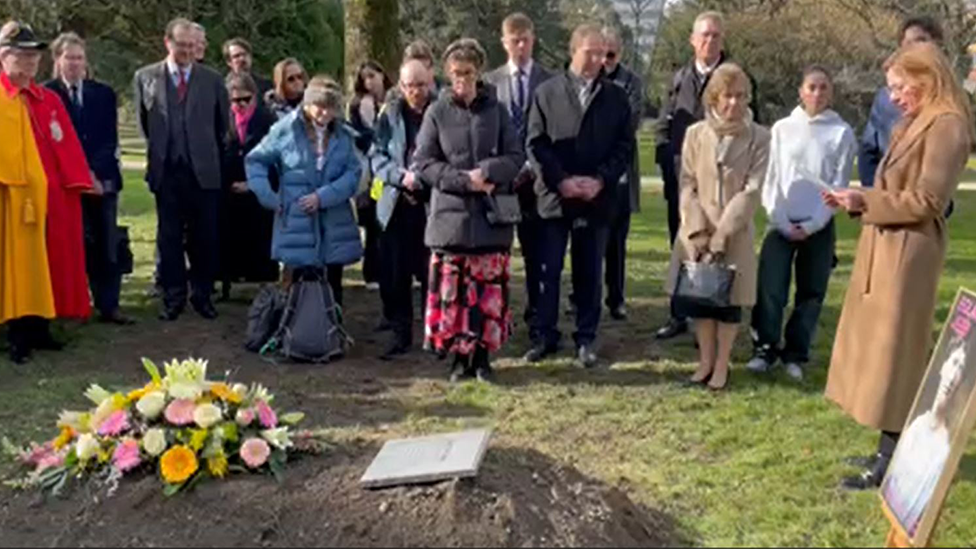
x: 208, y: 110
x: 501, y: 80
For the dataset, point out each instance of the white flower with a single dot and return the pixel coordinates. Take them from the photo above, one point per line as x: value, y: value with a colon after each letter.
x: 279, y: 438
x: 76, y: 420
x: 87, y: 447
x: 293, y: 418
x: 187, y: 379
x: 105, y: 409
x: 152, y: 404
x: 97, y: 395
x: 154, y: 442
x: 207, y: 415
x: 240, y: 390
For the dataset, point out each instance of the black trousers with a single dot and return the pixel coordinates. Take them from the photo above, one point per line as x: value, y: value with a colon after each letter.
x: 187, y: 223
x: 372, y: 260
x: 672, y: 194
x: 813, y: 260
x: 589, y: 246
x: 101, y: 250
x: 405, y: 259
x: 530, y: 237
x: 616, y: 270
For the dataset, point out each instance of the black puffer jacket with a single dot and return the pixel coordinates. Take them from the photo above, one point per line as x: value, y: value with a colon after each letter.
x: 453, y: 139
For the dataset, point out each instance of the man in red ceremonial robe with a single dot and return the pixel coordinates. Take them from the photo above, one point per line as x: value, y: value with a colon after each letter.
x: 68, y: 177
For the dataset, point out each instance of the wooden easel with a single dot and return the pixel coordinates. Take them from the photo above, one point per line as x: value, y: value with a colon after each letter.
x: 897, y: 538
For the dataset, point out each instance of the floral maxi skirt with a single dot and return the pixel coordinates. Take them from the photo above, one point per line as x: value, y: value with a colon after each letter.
x: 467, y: 303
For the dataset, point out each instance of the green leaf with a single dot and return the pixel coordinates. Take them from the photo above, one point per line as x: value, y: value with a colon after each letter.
x: 152, y: 370
x: 277, y: 469
x: 292, y: 418
x: 170, y: 490
x: 230, y: 431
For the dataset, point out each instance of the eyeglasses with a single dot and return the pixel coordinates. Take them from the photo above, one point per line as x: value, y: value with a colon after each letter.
x: 242, y: 100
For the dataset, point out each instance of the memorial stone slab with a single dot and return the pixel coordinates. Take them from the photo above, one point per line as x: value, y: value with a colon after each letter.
x: 427, y: 459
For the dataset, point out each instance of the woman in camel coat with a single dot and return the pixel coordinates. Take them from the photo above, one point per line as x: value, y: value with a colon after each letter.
x: 715, y: 227
x: 885, y: 330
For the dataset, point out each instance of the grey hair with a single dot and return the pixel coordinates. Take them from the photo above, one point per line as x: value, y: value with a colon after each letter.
x: 324, y: 92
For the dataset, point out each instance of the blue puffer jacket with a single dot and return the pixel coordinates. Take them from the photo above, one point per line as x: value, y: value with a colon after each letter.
x: 301, y: 240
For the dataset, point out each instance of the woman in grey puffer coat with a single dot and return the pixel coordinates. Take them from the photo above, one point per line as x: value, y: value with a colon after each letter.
x: 468, y: 152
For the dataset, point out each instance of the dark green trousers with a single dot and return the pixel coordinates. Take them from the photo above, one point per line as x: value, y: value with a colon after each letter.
x: 813, y: 261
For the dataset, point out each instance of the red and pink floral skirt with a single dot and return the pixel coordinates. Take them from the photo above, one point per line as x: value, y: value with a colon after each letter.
x: 467, y: 303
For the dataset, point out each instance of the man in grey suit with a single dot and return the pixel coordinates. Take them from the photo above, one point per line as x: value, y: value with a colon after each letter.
x: 183, y: 114
x: 515, y: 83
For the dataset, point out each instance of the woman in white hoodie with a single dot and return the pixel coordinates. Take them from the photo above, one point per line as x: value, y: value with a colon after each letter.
x: 811, y: 149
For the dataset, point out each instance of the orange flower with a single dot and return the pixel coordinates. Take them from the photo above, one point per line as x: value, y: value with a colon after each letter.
x: 223, y: 392
x: 178, y: 464
x: 65, y: 438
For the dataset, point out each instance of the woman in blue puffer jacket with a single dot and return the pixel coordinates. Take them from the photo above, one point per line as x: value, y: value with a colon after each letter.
x: 314, y: 154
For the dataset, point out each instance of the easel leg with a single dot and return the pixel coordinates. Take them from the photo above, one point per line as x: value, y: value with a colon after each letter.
x: 896, y: 539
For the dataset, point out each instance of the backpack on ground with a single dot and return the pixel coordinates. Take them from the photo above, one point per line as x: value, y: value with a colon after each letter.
x: 311, y: 323
x: 264, y: 317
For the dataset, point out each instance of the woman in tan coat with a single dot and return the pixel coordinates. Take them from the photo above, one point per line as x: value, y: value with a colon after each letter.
x: 885, y: 329
x: 726, y: 149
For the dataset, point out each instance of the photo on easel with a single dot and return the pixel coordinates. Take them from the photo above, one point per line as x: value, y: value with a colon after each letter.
x: 938, y: 427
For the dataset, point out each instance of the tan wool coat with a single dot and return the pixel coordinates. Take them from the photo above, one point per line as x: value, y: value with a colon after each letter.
x: 729, y: 228
x: 885, y: 330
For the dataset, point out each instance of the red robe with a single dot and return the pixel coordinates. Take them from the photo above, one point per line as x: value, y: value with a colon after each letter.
x: 68, y: 176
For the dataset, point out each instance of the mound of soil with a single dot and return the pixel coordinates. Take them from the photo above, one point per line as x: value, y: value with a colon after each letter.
x: 520, y: 499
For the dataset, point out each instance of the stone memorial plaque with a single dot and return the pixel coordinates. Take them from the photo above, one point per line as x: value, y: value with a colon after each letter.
x: 427, y: 459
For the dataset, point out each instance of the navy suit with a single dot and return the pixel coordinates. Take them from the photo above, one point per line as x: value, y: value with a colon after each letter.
x: 96, y: 122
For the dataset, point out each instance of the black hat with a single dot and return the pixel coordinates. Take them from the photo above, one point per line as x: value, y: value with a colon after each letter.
x: 19, y: 35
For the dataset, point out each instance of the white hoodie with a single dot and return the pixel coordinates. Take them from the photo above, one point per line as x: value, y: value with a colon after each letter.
x: 805, y: 151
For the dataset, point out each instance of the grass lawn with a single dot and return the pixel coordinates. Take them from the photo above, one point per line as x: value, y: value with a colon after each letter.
x: 757, y: 465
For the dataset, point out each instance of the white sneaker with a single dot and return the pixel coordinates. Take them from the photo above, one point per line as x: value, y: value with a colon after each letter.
x: 758, y: 365
x: 795, y: 371
x: 373, y: 286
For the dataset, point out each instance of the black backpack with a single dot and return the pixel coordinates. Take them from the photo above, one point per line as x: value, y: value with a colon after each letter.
x: 264, y: 317
x: 310, y: 329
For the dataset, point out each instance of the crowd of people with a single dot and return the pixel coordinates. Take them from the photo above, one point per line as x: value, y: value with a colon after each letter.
x: 251, y: 175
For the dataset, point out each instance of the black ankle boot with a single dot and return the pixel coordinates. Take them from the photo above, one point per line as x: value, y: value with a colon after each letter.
x: 461, y: 368
x: 481, y: 363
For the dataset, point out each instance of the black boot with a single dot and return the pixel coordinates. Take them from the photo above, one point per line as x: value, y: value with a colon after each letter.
x: 871, y: 478
x: 18, y: 333
x: 399, y: 345
x: 40, y: 335
x: 482, y: 366
x: 461, y: 368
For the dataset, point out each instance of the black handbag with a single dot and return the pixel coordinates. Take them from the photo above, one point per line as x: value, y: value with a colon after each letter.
x: 503, y: 209
x: 705, y: 284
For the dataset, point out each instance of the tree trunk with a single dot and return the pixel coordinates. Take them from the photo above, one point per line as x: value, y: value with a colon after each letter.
x: 372, y: 32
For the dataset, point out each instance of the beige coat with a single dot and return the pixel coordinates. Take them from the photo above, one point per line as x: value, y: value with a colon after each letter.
x: 707, y: 225
x: 885, y: 329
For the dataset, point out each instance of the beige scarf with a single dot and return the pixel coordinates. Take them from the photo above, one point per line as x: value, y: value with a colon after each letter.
x: 726, y: 128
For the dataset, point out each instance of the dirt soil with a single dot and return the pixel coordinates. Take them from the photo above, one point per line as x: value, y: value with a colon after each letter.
x: 521, y: 498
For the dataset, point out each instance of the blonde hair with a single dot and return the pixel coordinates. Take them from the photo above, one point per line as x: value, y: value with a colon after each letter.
x: 723, y: 79
x: 518, y: 23
x: 713, y: 16
x: 281, y: 71
x: 61, y: 43
x: 583, y: 32
x: 925, y: 65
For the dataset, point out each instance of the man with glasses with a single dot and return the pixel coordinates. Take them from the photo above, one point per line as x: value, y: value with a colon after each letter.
x: 183, y: 111
x: 515, y: 83
x: 239, y: 57
x: 628, y: 195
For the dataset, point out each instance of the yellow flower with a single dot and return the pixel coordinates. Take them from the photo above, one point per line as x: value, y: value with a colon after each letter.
x: 197, y: 439
x: 135, y: 395
x: 178, y: 464
x: 65, y: 438
x: 223, y: 392
x: 217, y: 465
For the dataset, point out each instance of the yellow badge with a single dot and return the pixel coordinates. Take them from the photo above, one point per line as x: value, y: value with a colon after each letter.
x: 376, y: 190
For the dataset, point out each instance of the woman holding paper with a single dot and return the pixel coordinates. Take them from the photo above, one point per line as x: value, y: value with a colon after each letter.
x: 722, y: 168
x: 885, y: 329
x: 811, y: 149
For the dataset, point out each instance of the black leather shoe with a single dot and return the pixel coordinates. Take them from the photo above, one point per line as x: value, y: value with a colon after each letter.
x: 169, y: 314
x: 587, y: 357
x: 538, y: 352
x: 47, y: 343
x: 206, y: 310
x: 20, y: 354
x: 397, y: 347
x: 867, y: 480
x: 672, y: 329
x: 384, y: 326
x: 618, y: 313
x: 116, y: 318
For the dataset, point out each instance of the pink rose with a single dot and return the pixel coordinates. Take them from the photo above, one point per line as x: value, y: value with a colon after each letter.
x: 180, y: 412
x: 115, y: 424
x: 126, y: 455
x: 245, y: 416
x: 267, y: 416
x: 255, y: 452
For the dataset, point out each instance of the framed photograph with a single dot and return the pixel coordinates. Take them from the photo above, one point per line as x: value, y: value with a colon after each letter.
x: 938, y: 427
